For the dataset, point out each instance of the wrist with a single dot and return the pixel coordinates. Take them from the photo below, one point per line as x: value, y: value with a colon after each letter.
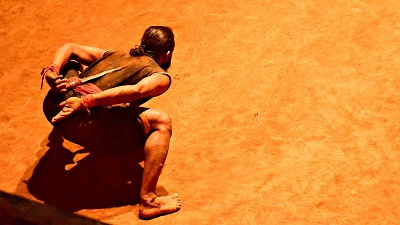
x: 88, y: 101
x: 53, y: 68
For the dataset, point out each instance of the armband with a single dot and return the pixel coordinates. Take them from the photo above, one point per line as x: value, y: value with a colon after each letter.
x: 88, y: 101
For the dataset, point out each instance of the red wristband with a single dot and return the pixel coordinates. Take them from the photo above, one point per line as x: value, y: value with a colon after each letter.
x: 88, y: 101
x: 53, y: 68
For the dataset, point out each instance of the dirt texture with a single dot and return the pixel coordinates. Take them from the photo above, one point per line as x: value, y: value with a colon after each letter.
x: 284, y: 112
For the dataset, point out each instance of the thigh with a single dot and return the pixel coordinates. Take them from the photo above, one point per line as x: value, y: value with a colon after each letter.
x: 114, y: 129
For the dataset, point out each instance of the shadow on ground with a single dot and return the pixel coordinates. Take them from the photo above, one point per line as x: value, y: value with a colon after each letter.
x: 101, y: 179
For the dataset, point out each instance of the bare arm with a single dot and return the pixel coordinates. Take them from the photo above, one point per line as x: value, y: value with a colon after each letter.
x: 148, y: 87
x: 85, y: 55
x: 81, y: 53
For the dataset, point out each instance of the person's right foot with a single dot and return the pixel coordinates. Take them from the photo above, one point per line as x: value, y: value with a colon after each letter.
x: 160, y: 205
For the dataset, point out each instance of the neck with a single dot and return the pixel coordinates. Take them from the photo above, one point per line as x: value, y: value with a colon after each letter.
x: 154, y: 58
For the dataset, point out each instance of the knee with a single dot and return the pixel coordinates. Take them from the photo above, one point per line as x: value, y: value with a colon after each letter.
x: 160, y: 121
x: 165, y: 122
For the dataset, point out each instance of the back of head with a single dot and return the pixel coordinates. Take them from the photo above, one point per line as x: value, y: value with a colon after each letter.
x: 156, y: 41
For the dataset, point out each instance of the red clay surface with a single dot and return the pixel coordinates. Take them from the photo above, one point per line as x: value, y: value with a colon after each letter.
x: 284, y: 112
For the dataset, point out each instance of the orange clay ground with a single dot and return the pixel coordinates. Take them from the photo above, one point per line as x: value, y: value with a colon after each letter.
x: 284, y: 112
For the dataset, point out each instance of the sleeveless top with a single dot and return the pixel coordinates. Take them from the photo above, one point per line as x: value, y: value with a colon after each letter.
x: 134, y: 69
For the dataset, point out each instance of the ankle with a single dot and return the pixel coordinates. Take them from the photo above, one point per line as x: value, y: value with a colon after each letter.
x: 148, y: 198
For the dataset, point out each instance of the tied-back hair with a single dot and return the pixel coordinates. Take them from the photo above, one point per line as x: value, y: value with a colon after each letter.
x: 156, y: 41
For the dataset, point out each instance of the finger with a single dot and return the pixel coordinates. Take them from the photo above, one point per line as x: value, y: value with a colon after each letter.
x: 65, y: 112
x: 62, y: 114
x: 60, y: 81
x: 59, y: 91
x: 61, y: 86
x: 68, y: 85
x: 57, y: 118
x: 62, y: 104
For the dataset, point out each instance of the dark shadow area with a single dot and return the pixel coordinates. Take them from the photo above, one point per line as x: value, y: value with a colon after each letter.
x: 102, y: 179
x: 15, y: 210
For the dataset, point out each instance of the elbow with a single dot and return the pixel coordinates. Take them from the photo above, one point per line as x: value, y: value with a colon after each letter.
x: 139, y: 91
x: 68, y: 47
x: 65, y: 50
x: 71, y: 48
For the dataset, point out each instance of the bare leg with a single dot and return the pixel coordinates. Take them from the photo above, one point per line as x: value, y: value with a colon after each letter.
x: 155, y: 153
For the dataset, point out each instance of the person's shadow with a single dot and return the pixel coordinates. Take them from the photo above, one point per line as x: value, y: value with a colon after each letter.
x: 102, y: 179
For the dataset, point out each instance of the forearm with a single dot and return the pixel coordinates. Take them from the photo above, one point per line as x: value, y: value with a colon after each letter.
x: 117, y: 95
x: 150, y: 86
x: 82, y: 54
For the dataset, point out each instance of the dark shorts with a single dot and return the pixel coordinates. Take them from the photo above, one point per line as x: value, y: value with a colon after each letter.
x: 117, y: 128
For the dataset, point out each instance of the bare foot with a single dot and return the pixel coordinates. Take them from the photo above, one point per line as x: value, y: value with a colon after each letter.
x: 160, y: 205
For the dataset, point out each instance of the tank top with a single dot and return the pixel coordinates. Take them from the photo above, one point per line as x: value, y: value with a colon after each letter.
x: 134, y: 69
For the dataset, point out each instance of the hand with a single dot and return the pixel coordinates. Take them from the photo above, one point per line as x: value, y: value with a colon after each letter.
x: 69, y: 106
x: 56, y: 82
